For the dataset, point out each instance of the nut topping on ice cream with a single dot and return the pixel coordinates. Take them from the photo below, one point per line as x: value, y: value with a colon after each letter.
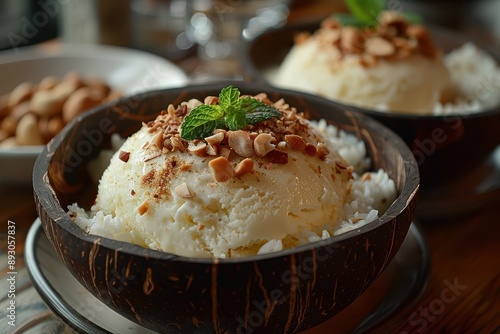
x: 269, y: 138
x: 392, y: 38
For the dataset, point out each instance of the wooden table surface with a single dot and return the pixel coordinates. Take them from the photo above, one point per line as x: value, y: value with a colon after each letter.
x: 462, y: 294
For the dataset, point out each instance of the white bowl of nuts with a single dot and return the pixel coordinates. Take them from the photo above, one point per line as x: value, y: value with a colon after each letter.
x: 45, y: 87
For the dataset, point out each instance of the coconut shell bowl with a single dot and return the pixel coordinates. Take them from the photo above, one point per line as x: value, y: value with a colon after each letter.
x: 282, y: 292
x: 454, y: 152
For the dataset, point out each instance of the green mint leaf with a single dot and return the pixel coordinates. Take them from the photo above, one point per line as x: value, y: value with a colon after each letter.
x: 257, y: 111
x: 202, y: 121
x: 260, y: 116
x: 364, y: 14
x: 365, y: 11
x: 235, y: 118
x: 248, y: 104
x: 229, y: 96
x: 232, y: 112
x: 348, y: 20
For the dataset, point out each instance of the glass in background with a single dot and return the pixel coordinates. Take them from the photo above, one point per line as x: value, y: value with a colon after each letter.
x: 158, y: 26
x: 220, y: 27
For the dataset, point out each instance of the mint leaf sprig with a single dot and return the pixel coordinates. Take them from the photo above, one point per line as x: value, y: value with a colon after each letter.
x: 365, y: 10
x: 364, y: 14
x: 233, y: 112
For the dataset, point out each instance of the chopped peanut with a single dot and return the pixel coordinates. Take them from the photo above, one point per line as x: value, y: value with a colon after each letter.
x: 143, y: 207
x: 198, y: 149
x: 296, y: 142
x: 182, y: 190
x: 221, y: 169
x: 216, y: 138
x: 124, y: 156
x: 243, y: 167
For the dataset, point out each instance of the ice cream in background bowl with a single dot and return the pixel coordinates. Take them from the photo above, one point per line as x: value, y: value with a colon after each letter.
x: 394, y: 66
x: 436, y: 88
x: 164, y: 289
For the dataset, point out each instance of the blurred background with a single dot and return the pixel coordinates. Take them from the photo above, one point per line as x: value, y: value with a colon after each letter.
x: 177, y: 29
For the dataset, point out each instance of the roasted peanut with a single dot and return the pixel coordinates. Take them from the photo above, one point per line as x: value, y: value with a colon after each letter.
x: 322, y: 150
x: 113, y: 95
x: 99, y: 85
x: 143, y: 208
x: 212, y: 149
x: 21, y: 93
x: 48, y: 83
x: 216, y: 138
x: 424, y: 39
x: 177, y: 144
x: 8, y: 143
x: 43, y: 127
x: 211, y: 100
x: 3, y: 135
x: 51, y: 103
x: 379, y: 47
x: 182, y: 190
x: 352, y: 40
x: 158, y: 140
x: 243, y: 167
x: 225, y: 152
x: 56, y: 124
x: 4, y: 108
x: 49, y: 127
x: 20, y: 110
x: 74, y: 80
x: 198, y: 149
x: 46, y: 103
x: 221, y: 169
x: 83, y: 99
x: 27, y: 132
x: 296, y: 142
x: 9, y: 125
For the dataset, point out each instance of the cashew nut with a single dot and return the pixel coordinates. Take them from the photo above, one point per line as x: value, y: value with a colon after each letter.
x: 81, y: 100
x: 46, y: 103
x: 262, y: 144
x: 27, y: 132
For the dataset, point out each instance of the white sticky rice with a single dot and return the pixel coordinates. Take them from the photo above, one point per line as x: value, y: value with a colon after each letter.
x: 476, y: 77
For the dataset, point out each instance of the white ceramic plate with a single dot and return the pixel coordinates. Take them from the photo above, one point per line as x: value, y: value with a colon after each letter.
x: 127, y: 70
